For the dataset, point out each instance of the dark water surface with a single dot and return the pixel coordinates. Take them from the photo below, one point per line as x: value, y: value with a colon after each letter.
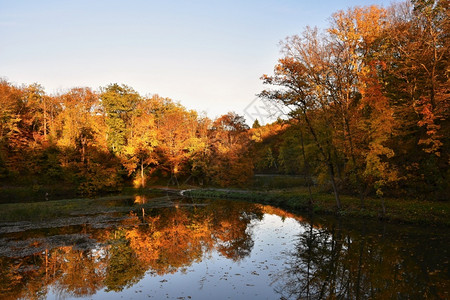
x: 217, y: 249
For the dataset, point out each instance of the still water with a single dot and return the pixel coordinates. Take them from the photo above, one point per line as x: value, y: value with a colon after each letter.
x: 218, y: 249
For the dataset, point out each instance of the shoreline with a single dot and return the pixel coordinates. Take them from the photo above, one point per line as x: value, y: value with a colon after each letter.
x: 398, y: 211
x: 406, y: 211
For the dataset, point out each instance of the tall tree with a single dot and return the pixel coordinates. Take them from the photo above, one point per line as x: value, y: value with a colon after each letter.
x: 77, y: 119
x: 302, y: 77
x: 119, y: 101
x: 417, y: 81
x: 176, y: 128
x: 139, y: 152
x: 231, y: 163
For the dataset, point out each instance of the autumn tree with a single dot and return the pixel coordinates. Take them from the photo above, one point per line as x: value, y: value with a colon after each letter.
x: 139, y: 151
x: 231, y: 163
x: 338, y: 84
x: 301, y: 77
x: 416, y: 79
x: 9, y: 124
x: 176, y: 129
x: 358, y: 42
x: 419, y: 37
x: 119, y: 102
x: 77, y: 119
x: 199, y: 161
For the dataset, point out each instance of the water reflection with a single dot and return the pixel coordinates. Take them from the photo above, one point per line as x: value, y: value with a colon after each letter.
x: 162, y: 240
x: 241, y: 250
x: 335, y: 262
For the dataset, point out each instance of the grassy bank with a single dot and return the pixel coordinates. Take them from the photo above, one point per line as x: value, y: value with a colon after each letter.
x: 125, y: 202
x: 398, y: 210
x: 36, y: 211
x: 36, y: 193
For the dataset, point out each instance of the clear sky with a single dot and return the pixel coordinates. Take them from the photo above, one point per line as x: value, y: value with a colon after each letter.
x: 208, y: 55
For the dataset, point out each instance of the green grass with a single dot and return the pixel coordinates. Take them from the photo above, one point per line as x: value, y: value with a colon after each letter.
x: 270, y: 182
x: 398, y: 210
x: 58, y: 208
x: 45, y: 210
x: 36, y: 193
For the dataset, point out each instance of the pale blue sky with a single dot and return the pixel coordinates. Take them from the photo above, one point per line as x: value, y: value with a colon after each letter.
x: 208, y: 55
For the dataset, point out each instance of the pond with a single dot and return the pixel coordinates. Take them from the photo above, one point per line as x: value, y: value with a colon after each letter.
x: 184, y: 248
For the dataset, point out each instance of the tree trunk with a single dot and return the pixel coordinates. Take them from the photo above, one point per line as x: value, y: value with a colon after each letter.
x: 383, y: 206
x: 355, y: 166
x: 45, y: 118
x: 142, y: 175
x: 306, y: 172
x: 83, y: 149
x: 327, y: 159
x: 333, y: 183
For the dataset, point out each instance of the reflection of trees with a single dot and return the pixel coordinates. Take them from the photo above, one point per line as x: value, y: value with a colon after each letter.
x: 327, y: 262
x: 333, y: 263
x: 19, y: 278
x: 83, y: 271
x: 232, y: 230
x: 124, y: 268
x: 177, y: 237
x: 313, y: 270
x: 166, y: 241
x: 169, y: 242
x: 72, y: 272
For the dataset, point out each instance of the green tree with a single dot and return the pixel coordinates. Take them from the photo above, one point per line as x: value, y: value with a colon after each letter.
x: 256, y: 124
x: 290, y: 156
x: 119, y: 102
x: 123, y: 268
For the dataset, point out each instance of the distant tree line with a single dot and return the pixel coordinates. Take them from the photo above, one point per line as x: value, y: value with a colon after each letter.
x: 100, y: 140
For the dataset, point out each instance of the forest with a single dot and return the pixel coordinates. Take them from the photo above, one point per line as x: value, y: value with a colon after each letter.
x: 368, y: 102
